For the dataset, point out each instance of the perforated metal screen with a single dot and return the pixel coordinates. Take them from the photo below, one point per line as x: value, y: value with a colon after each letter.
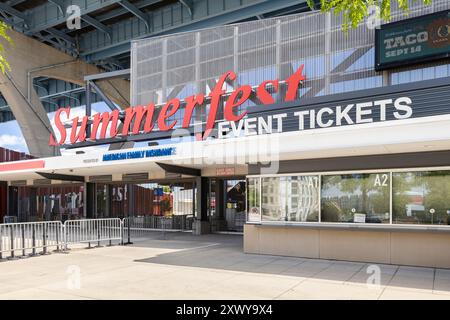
x: 184, y: 64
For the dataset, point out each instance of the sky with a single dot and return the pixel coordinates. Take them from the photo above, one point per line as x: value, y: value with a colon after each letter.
x: 11, y: 136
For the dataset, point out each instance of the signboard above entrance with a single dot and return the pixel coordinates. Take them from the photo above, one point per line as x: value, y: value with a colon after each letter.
x: 415, y: 40
x: 225, y: 171
x: 149, y: 116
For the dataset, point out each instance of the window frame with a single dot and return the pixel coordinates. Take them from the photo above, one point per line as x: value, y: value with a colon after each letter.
x: 390, y: 171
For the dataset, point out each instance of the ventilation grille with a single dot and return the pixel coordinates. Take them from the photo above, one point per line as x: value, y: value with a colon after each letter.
x: 19, y: 183
x: 103, y: 178
x: 42, y: 182
x: 132, y: 177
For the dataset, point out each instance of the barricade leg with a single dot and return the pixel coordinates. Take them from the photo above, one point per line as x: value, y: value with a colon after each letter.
x: 129, y: 232
x: 121, y: 232
x: 66, y: 237
x: 22, y: 231
x: 33, y: 241
x: 11, y: 239
x: 109, y: 235
x: 57, y: 239
x: 98, y: 234
x: 1, y: 243
x: 44, y: 240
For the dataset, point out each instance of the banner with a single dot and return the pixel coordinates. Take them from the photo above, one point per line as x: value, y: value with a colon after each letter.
x: 413, y: 40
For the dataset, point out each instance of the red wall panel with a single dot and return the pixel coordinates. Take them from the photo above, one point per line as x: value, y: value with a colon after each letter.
x: 7, y: 155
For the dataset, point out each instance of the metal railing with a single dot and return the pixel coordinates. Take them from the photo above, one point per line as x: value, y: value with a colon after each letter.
x: 30, y: 238
x: 138, y: 227
x: 93, y: 231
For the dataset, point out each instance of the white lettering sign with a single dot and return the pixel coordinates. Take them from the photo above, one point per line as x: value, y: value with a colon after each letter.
x: 355, y: 113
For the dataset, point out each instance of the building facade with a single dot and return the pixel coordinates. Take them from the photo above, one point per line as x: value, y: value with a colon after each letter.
x: 311, y: 141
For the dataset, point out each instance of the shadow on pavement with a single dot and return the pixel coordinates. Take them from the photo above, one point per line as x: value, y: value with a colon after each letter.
x: 225, y: 252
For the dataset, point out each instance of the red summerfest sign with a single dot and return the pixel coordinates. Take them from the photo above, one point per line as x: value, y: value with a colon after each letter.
x: 134, y: 117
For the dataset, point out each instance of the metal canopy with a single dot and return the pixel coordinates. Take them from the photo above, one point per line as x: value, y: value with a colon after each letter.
x: 63, y: 177
x: 179, y: 169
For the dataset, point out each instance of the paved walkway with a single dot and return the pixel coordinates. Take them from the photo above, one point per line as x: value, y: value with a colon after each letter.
x: 181, y: 266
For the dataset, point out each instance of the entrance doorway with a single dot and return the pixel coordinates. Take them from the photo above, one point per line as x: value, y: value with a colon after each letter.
x: 226, y: 204
x: 149, y: 204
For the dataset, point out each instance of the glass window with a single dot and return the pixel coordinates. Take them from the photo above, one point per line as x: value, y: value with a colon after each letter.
x: 421, y: 197
x: 253, y: 200
x: 291, y: 198
x: 361, y: 198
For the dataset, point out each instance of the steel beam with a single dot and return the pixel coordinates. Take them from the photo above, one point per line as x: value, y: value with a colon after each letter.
x: 135, y: 10
x: 25, y: 19
x: 14, y: 12
x: 118, y: 12
x: 238, y: 13
x: 61, y: 35
x: 98, y: 25
x: 56, y: 44
x: 45, y: 17
x: 108, y: 75
x: 188, y: 5
x: 13, y: 3
x: 59, y: 4
x: 108, y: 102
x: 13, y: 21
x: 156, y: 22
x: 65, y: 93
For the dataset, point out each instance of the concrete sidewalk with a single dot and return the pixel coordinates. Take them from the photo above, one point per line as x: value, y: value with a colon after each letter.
x: 182, y: 266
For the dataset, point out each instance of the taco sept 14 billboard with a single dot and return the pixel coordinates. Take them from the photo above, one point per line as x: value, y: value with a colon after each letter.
x: 415, y: 40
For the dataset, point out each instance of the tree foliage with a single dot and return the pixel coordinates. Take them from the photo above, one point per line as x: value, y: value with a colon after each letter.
x: 354, y: 11
x: 4, y: 65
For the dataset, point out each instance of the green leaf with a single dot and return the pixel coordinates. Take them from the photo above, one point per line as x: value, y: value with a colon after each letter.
x: 355, y: 11
x: 4, y: 65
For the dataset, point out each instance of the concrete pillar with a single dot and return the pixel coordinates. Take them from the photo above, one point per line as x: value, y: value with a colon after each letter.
x: 201, y: 223
x: 30, y: 58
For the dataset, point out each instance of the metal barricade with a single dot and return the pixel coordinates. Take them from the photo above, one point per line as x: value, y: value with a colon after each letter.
x: 93, y: 231
x: 30, y: 238
x: 139, y: 227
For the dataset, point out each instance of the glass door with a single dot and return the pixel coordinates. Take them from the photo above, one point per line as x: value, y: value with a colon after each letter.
x: 235, y: 204
x: 226, y: 204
